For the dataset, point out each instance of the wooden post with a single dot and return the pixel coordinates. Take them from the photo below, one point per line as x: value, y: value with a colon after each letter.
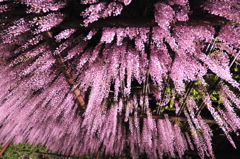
x: 98, y: 154
x: 64, y: 68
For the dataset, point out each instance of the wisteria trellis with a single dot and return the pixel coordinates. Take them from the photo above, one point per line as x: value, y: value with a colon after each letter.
x: 48, y: 77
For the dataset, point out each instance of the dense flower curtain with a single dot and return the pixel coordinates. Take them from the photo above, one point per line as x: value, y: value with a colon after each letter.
x: 80, y: 91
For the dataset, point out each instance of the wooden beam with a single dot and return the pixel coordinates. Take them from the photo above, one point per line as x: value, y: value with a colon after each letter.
x: 143, y: 22
x: 171, y: 118
x: 64, y: 68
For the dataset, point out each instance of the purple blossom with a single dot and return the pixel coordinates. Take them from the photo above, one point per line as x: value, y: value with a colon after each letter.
x: 126, y: 2
x: 37, y: 6
x: 64, y: 34
x: 225, y: 9
x: 163, y: 15
x: 101, y: 10
x: 45, y: 23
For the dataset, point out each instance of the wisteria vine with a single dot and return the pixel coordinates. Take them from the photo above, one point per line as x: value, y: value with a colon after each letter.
x: 120, y: 72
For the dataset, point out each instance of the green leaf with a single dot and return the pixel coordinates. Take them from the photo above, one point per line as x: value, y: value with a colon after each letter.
x: 213, y: 98
x: 214, y: 92
x: 171, y: 103
x: 220, y: 100
x: 179, y: 123
x: 168, y: 90
x: 34, y: 156
x: 194, y: 92
x: 236, y: 77
x: 197, y: 83
x: 217, y: 40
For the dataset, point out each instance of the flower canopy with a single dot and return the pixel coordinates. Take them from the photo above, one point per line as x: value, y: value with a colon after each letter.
x: 101, y: 75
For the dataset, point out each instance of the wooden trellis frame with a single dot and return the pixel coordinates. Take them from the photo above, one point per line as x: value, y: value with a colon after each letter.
x: 143, y: 22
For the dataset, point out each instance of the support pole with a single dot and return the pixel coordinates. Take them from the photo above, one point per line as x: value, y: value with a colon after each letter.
x: 64, y: 68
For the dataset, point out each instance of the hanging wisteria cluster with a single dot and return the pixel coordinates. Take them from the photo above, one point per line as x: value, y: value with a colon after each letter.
x: 126, y: 76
